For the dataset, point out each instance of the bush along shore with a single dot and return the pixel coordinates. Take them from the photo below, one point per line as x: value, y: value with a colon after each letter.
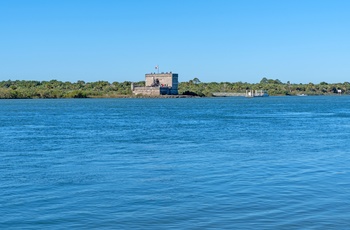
x: 103, y: 89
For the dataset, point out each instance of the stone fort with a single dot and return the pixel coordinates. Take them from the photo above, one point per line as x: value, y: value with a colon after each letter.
x: 158, y: 84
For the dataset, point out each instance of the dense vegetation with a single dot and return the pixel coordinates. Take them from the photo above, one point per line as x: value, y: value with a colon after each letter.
x: 81, y: 89
x: 58, y: 89
x: 273, y: 87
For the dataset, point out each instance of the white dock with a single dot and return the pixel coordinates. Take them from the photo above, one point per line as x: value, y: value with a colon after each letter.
x: 248, y: 93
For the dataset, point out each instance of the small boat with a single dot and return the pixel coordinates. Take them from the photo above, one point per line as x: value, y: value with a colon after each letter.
x: 302, y: 95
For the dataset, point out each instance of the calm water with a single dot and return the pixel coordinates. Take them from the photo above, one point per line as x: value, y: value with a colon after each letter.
x: 229, y: 163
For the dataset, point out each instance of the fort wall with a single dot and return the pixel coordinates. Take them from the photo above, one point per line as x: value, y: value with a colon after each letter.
x: 147, y: 90
x: 158, y: 84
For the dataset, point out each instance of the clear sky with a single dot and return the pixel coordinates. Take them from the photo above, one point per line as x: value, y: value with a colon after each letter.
x: 300, y: 41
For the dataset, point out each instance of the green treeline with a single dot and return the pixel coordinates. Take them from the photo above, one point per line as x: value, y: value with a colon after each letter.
x: 57, y: 89
x: 80, y: 89
x: 273, y: 87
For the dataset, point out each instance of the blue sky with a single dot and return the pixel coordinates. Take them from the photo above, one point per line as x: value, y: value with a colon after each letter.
x: 300, y: 41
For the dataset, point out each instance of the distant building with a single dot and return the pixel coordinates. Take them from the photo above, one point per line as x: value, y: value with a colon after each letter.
x: 158, y: 84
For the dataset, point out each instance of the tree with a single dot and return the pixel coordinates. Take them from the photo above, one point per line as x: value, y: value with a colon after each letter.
x: 277, y: 81
x: 196, y: 80
x: 264, y: 81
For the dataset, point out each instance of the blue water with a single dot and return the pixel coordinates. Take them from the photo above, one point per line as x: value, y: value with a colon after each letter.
x: 196, y: 163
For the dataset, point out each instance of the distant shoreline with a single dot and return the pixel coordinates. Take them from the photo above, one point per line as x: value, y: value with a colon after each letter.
x: 21, y: 89
x: 166, y: 97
